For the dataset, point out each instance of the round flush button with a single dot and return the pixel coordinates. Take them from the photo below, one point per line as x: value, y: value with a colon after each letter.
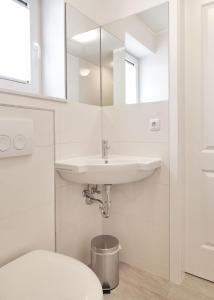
x: 20, y: 142
x: 4, y: 143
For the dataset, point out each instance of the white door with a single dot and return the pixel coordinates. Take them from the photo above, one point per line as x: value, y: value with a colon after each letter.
x: 199, y: 125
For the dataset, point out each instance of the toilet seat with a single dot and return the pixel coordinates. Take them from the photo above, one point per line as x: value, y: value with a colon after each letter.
x: 43, y: 275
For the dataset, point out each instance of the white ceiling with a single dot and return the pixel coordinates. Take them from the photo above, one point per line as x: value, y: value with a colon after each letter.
x: 157, y: 18
x: 90, y: 51
x: 134, y: 47
x: 107, y: 11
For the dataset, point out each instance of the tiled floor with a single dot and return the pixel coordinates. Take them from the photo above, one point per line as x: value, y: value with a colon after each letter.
x: 139, y: 285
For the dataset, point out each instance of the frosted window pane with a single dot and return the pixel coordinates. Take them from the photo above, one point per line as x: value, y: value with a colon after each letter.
x: 15, y: 41
x: 131, y: 83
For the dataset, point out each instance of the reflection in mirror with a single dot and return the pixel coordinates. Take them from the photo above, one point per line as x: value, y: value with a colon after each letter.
x: 136, y: 48
x: 111, y: 47
x: 83, y: 58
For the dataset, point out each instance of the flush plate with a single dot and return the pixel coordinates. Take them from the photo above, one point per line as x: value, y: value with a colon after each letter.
x: 16, y: 137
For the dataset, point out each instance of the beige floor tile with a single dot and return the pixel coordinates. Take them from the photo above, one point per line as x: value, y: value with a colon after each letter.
x: 140, y: 285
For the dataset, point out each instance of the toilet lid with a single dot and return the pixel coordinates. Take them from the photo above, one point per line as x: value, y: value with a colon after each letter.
x: 43, y: 275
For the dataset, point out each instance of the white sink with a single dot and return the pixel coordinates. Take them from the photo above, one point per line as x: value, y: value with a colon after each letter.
x: 118, y: 170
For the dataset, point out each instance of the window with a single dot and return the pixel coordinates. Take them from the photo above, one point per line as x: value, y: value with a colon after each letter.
x: 18, y: 45
x: 131, y: 74
x: 15, y: 41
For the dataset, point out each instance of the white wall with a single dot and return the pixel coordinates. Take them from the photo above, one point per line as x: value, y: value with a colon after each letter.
x: 78, y: 127
x: 30, y: 225
x: 27, y: 190
x: 140, y: 211
x: 104, y: 12
x: 76, y: 22
x: 136, y: 28
x: 119, y: 79
x: 143, y: 207
x: 84, y: 89
x: 73, y: 69
x: 154, y: 72
x: 53, y: 48
x: 107, y: 86
x: 89, y: 86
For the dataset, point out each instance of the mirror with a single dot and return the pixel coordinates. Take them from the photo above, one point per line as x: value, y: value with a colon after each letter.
x: 67, y: 55
x: 83, y: 58
x: 112, y: 84
x: 135, y: 58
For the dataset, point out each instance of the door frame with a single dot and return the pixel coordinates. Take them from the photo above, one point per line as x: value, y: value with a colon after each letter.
x: 176, y: 136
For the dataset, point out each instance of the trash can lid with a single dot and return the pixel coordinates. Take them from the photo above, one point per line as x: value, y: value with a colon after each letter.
x: 105, y: 244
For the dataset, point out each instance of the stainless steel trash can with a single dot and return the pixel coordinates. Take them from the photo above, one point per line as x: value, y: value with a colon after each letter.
x: 105, y: 260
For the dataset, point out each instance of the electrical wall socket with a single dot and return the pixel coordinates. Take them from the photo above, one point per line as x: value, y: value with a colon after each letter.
x: 154, y: 125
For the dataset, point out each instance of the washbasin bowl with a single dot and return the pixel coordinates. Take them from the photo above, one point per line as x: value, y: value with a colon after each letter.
x: 118, y: 170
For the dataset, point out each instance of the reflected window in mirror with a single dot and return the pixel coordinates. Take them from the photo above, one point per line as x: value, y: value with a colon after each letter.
x: 139, y: 52
x: 131, y: 77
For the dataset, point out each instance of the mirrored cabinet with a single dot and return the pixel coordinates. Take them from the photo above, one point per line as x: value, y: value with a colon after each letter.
x: 56, y: 51
x: 83, y: 58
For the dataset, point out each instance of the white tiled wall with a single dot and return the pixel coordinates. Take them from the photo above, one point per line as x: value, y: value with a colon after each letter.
x: 27, y: 190
x: 78, y: 133
x: 140, y: 211
x: 77, y: 222
x: 28, y: 222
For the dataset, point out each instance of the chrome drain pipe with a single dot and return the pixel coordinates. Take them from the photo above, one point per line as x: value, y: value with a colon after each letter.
x: 104, y: 205
x: 107, y: 202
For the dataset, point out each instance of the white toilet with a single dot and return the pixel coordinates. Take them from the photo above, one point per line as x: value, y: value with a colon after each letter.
x: 43, y: 275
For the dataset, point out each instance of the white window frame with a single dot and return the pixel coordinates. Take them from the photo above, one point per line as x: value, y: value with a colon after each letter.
x: 133, y: 60
x: 34, y: 86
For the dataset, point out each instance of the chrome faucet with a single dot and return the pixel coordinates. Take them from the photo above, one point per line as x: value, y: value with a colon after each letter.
x: 105, y: 150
